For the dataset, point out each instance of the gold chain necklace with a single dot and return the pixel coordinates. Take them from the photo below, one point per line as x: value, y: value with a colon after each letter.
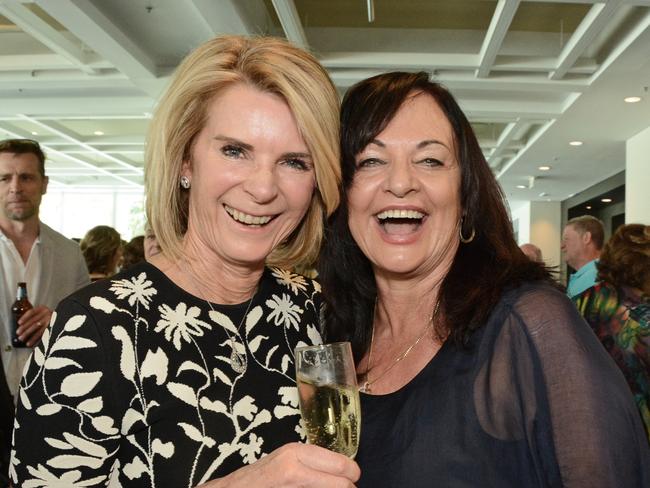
x: 238, y: 360
x: 365, y: 388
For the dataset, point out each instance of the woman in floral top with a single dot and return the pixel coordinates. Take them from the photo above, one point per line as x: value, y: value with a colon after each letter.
x: 179, y: 372
x: 618, y: 308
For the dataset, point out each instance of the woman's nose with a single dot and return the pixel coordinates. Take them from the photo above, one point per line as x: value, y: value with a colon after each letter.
x: 401, y: 180
x: 262, y: 184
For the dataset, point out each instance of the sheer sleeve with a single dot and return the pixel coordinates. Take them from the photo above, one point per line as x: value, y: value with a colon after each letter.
x: 573, y: 401
x: 66, y: 429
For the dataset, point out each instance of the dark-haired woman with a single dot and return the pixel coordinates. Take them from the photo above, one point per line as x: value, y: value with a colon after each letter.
x: 618, y: 308
x: 476, y: 371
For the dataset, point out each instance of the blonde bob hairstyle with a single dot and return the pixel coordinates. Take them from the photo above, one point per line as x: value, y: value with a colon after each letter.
x: 270, y: 65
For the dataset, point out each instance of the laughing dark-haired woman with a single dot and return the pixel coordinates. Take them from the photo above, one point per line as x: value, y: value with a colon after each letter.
x: 475, y: 370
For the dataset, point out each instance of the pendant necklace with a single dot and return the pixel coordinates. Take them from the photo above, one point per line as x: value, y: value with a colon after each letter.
x: 366, y: 387
x: 238, y: 360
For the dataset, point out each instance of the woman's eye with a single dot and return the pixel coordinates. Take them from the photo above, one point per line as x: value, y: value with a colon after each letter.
x: 431, y: 162
x: 368, y: 162
x: 297, y: 163
x: 231, y: 151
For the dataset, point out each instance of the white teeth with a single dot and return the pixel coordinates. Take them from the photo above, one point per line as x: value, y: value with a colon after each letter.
x: 245, y: 218
x: 400, y: 214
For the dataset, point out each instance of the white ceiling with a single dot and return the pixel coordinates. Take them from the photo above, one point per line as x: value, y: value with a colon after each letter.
x: 530, y: 75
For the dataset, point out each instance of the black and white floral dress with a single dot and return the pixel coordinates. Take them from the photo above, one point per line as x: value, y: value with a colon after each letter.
x: 132, y: 384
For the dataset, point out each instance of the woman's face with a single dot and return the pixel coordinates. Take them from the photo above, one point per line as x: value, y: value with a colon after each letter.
x: 252, y: 176
x: 404, y: 202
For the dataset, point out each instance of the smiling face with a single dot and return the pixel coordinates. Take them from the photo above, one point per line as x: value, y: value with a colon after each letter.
x: 404, y: 202
x: 21, y: 186
x: 252, y: 177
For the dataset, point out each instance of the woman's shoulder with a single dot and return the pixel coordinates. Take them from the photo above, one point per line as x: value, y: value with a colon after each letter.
x: 291, y: 282
x: 142, y: 282
x: 537, y: 304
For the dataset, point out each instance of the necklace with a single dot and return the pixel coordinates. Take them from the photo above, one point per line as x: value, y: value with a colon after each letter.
x: 238, y: 360
x: 365, y: 388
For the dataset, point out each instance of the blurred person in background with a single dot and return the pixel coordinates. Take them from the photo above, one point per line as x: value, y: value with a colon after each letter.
x: 618, y: 308
x: 582, y: 240
x: 30, y: 251
x: 180, y: 370
x: 151, y: 247
x: 533, y: 252
x: 132, y: 253
x: 102, y: 250
x: 475, y: 370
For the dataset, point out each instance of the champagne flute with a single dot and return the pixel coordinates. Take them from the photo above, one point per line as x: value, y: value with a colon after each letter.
x: 329, y: 396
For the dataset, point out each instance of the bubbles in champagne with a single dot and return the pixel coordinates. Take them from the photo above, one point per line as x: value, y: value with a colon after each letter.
x: 331, y: 414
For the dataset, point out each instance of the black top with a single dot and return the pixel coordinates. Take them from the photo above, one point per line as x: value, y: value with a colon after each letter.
x: 133, y: 381
x: 534, y: 401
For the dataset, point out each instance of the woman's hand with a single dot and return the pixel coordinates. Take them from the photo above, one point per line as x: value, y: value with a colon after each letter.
x: 294, y: 465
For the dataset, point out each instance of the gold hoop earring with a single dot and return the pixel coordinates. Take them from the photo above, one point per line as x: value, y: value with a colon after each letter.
x: 463, y: 239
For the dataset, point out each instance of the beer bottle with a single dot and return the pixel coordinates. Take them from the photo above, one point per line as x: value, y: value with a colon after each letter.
x: 20, y: 306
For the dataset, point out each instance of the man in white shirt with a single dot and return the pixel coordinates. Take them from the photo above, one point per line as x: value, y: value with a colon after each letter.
x: 582, y: 240
x: 50, y: 264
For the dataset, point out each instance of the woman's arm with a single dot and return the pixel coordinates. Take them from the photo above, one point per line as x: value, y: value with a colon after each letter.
x: 66, y: 428
x: 597, y: 434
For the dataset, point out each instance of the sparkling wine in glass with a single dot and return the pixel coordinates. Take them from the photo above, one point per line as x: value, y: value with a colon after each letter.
x: 329, y: 396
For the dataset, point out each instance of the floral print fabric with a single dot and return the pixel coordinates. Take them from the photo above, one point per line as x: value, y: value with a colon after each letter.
x: 621, y: 320
x: 132, y: 383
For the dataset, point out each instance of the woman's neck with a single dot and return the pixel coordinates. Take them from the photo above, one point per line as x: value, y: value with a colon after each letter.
x: 211, y: 279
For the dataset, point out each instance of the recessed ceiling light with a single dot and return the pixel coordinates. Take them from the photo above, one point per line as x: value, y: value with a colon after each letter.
x: 521, y: 186
x: 575, y: 143
x: 544, y: 168
x: 632, y: 99
x: 588, y: 207
x: 606, y: 200
x: 98, y: 133
x: 34, y: 133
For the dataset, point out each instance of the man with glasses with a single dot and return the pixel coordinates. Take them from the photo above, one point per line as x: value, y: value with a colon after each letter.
x: 30, y: 251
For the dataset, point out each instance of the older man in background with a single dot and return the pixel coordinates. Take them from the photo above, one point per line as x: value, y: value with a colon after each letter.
x: 30, y: 251
x: 582, y: 241
x: 533, y: 252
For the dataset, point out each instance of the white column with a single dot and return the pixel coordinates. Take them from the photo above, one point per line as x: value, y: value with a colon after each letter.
x: 541, y: 224
x: 546, y: 230
x: 637, y: 179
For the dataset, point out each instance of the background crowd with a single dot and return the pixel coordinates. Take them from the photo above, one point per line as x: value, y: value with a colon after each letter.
x: 411, y: 171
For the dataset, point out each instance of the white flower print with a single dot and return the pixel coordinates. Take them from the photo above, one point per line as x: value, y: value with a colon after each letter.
x: 294, y: 281
x: 137, y: 289
x: 284, y: 311
x: 250, y: 452
x: 69, y: 479
x: 180, y: 323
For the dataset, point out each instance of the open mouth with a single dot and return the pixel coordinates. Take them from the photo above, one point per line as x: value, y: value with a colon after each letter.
x: 400, y: 222
x: 248, y: 219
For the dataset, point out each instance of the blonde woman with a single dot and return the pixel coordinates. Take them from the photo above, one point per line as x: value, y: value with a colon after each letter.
x: 179, y: 372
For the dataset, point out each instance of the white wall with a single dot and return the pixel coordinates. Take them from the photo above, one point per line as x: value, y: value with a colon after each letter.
x: 546, y: 230
x: 73, y: 213
x: 637, y: 179
x: 541, y: 224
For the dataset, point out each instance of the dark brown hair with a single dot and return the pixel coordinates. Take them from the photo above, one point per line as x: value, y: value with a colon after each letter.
x: 25, y: 146
x: 625, y: 260
x: 482, y: 269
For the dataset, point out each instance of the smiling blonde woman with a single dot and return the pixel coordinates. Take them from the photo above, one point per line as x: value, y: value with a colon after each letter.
x: 179, y: 372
